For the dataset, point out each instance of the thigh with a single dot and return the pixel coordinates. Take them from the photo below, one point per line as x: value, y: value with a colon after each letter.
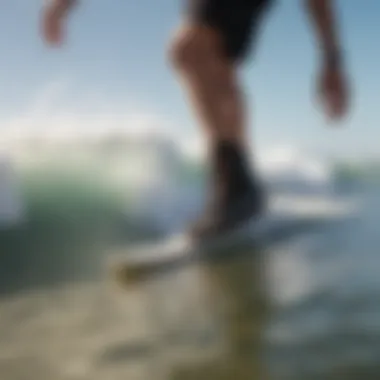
x: 235, y: 20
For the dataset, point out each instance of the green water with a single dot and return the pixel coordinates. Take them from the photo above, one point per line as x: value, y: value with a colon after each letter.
x: 72, y: 217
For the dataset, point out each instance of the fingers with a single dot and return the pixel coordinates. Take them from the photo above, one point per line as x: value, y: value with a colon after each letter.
x: 52, y: 30
x: 53, y: 21
x: 336, y: 105
x: 334, y: 96
x: 340, y: 103
x: 51, y: 25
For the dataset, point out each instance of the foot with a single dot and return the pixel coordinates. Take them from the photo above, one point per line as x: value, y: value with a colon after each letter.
x: 229, y: 218
x: 235, y: 195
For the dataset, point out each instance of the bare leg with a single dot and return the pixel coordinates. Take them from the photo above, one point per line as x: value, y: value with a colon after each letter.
x: 210, y: 80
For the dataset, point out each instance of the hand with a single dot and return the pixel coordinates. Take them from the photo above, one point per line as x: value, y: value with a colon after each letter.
x: 333, y: 91
x: 53, y: 18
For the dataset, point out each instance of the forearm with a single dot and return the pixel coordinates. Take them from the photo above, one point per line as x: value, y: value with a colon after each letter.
x: 322, y: 14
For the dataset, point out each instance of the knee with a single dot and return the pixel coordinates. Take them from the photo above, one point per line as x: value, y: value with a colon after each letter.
x: 186, y: 49
x: 192, y: 47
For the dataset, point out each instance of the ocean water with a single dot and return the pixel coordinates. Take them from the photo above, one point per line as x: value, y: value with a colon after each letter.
x: 304, y: 308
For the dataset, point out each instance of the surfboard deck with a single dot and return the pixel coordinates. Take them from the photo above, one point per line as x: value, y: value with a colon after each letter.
x: 147, y: 260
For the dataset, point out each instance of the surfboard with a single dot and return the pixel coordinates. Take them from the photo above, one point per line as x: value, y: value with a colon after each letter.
x: 283, y: 221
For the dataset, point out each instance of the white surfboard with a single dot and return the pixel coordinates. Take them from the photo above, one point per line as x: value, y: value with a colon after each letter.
x: 284, y: 220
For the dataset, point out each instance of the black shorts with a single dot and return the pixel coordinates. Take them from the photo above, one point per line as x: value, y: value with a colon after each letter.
x: 236, y: 20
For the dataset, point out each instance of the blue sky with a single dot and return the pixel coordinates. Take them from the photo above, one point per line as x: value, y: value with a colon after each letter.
x: 115, y: 55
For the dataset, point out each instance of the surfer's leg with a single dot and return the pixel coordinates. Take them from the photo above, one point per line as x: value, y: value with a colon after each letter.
x: 207, y: 52
x: 210, y: 81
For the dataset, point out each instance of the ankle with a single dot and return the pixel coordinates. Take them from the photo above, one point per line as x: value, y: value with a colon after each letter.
x: 231, y: 166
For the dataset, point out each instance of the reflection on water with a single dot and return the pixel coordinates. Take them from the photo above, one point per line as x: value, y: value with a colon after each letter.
x: 210, y: 319
x: 207, y: 321
x: 237, y: 304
